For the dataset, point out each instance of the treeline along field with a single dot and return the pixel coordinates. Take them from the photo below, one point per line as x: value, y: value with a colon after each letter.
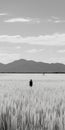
x: 41, y: 107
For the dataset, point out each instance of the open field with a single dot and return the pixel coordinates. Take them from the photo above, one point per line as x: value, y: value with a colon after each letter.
x: 41, y: 107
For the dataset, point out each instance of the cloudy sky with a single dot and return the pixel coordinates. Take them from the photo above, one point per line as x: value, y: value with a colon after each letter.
x: 33, y: 30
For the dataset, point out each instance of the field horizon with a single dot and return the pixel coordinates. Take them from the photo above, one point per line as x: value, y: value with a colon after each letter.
x: 40, y: 107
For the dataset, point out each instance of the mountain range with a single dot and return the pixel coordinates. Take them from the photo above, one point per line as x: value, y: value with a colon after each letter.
x: 29, y: 66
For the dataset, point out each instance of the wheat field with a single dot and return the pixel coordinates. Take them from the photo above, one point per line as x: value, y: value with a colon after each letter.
x: 41, y: 107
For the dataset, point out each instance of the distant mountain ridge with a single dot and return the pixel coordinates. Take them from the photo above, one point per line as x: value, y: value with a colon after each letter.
x: 29, y: 66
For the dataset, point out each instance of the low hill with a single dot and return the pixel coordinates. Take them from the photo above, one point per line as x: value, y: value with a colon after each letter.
x: 29, y: 66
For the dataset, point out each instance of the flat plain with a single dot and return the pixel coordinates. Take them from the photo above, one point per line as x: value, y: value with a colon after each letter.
x: 40, y: 107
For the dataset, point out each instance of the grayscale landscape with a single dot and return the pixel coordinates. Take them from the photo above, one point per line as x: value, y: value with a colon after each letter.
x: 41, y: 107
x: 32, y: 64
x: 29, y: 66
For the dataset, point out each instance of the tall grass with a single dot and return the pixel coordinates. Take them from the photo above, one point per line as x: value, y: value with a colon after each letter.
x: 39, y: 108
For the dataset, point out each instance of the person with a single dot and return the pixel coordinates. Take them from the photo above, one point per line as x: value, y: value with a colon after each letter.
x: 30, y: 83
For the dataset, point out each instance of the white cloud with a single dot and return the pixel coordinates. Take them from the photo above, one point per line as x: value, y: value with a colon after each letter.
x: 3, y: 14
x: 7, y: 58
x: 55, y: 20
x: 54, y: 17
x: 34, y: 50
x: 56, y: 60
x: 61, y: 51
x: 18, y: 47
x: 23, y: 20
x: 13, y: 20
x: 49, y: 20
x: 59, y: 21
x: 53, y: 40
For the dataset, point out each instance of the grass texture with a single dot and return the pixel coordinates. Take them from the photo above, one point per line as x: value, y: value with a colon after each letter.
x: 41, y: 107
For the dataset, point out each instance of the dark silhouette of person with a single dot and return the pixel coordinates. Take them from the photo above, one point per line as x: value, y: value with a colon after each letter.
x: 30, y: 83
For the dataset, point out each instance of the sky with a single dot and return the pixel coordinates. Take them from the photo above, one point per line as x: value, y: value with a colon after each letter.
x: 32, y: 30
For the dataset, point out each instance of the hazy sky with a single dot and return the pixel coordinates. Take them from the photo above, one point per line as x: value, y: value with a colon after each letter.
x: 33, y: 30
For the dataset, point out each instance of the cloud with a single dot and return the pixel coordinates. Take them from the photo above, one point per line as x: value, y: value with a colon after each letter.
x: 13, y: 20
x: 49, y: 40
x: 22, y: 20
x: 8, y: 57
x: 59, y: 21
x: 56, y: 20
x: 18, y: 47
x: 56, y: 60
x: 54, y: 17
x: 34, y: 50
x: 61, y: 51
x: 3, y: 14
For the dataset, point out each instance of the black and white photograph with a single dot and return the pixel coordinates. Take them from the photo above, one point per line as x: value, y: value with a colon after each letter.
x: 32, y: 64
